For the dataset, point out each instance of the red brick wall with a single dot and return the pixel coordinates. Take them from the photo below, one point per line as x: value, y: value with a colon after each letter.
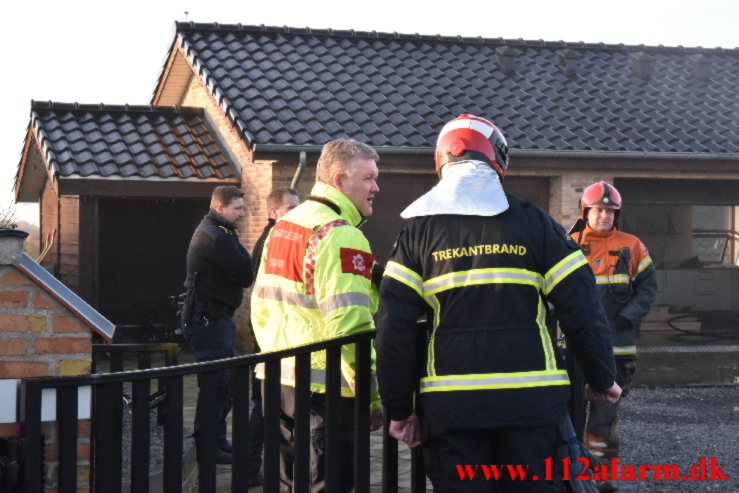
x: 38, y: 335
x: 68, y: 241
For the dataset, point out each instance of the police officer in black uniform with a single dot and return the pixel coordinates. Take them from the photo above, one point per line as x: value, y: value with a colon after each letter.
x: 481, y: 266
x: 218, y: 270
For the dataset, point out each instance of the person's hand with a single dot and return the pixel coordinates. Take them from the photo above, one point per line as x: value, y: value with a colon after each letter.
x: 407, y: 430
x: 607, y: 396
x: 376, y: 419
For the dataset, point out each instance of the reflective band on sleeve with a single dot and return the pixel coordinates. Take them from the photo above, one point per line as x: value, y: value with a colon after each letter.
x: 481, y: 276
x: 624, y: 350
x: 282, y: 295
x: 344, y: 300
x: 563, y: 268
x: 494, y: 381
x: 617, y: 279
x: 546, y: 341
x: 403, y: 274
x: 645, y: 262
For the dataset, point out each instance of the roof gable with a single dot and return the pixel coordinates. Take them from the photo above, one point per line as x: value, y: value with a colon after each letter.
x: 286, y: 86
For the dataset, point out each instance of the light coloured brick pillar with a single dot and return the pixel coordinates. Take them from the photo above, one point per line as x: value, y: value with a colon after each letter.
x: 39, y: 337
x: 565, y: 192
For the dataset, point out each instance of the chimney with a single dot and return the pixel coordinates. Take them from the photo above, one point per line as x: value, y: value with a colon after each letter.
x: 700, y: 67
x: 507, y: 59
x: 11, y: 245
x: 643, y: 64
x: 568, y: 62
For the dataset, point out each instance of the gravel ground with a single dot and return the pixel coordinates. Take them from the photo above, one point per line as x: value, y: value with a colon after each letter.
x: 156, y: 444
x: 679, y: 425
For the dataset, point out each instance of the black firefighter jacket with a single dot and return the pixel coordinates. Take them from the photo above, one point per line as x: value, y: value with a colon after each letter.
x: 484, y: 283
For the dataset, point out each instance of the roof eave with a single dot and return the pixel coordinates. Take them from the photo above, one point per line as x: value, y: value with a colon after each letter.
x: 118, y: 186
x: 317, y: 148
x: 647, y: 156
x: 77, y: 176
x: 538, y: 153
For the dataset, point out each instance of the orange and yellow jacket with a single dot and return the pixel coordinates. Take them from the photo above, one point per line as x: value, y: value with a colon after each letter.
x: 626, y: 280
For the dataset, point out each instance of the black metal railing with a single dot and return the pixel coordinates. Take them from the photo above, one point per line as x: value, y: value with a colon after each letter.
x: 116, y: 354
x: 107, y: 411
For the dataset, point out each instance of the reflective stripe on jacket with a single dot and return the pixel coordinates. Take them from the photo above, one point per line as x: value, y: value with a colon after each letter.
x: 626, y: 288
x: 484, y: 283
x: 314, y: 283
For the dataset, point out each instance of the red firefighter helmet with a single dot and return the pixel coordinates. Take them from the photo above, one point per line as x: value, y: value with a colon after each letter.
x: 600, y: 194
x: 471, y: 137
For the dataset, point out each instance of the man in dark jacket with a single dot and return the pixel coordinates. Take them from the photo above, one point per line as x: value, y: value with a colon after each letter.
x: 218, y: 270
x: 279, y: 202
x: 481, y: 266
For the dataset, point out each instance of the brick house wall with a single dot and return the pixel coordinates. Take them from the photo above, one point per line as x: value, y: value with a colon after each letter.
x: 565, y: 192
x: 41, y: 337
x: 62, y: 212
x: 49, y: 214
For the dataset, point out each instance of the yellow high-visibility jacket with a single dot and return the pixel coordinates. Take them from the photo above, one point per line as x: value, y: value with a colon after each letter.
x: 314, y: 283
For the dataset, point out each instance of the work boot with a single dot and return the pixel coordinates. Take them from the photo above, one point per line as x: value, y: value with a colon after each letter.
x: 605, y: 486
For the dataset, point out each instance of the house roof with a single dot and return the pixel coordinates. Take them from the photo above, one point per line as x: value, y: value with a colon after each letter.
x: 107, y: 141
x: 301, y: 87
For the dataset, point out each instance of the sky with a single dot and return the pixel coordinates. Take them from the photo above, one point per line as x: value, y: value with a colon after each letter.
x: 105, y: 52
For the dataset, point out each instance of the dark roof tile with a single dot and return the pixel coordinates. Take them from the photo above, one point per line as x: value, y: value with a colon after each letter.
x: 137, y: 141
x: 425, y: 80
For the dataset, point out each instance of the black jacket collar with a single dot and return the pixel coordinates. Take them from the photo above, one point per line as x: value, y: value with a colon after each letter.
x: 219, y: 220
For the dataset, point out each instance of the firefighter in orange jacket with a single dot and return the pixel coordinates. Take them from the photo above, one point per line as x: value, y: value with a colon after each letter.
x: 627, y: 285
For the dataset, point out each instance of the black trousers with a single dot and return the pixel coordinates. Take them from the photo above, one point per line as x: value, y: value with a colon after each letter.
x: 209, y: 341
x: 450, y: 456
x: 256, y: 430
x: 317, y: 439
